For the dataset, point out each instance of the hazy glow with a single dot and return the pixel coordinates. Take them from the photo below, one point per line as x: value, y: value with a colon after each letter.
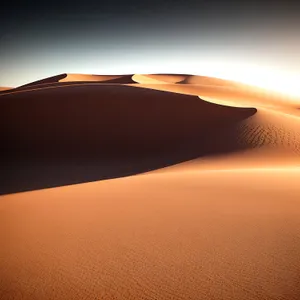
x: 269, y: 78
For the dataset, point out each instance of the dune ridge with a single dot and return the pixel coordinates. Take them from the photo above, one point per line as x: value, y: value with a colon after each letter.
x: 65, y: 77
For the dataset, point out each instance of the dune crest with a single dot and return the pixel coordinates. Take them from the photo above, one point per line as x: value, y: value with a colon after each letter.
x: 78, y: 78
x: 121, y: 79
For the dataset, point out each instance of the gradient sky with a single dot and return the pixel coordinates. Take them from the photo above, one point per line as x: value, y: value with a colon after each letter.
x: 246, y: 41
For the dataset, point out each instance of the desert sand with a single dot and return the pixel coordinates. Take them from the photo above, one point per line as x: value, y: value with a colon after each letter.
x: 158, y: 186
x: 3, y: 88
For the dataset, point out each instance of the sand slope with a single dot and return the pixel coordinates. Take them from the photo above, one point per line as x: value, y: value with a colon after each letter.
x: 267, y: 139
x: 228, y: 95
x: 211, y: 213
x: 159, y: 78
x: 151, y: 126
x: 94, y: 132
x: 230, y: 235
x: 184, y: 79
x: 98, y: 78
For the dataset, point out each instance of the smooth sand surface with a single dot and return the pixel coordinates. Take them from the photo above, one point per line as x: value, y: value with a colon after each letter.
x: 159, y: 78
x: 212, y: 211
x: 229, y: 95
x: 183, y: 235
x: 185, y: 79
x: 86, y: 77
x: 121, y: 79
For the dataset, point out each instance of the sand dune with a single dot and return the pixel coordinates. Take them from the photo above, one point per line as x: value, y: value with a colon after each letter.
x: 267, y: 139
x: 185, y: 128
x: 122, y: 79
x: 51, y: 79
x: 211, y: 89
x: 100, y: 78
x: 159, y: 78
x: 88, y: 126
x: 196, y: 79
x: 211, y: 213
x: 230, y: 96
x: 3, y: 88
x: 230, y: 235
x: 185, y: 79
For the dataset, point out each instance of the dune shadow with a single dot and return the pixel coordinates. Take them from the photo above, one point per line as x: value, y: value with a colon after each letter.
x: 76, y: 134
x: 47, y: 80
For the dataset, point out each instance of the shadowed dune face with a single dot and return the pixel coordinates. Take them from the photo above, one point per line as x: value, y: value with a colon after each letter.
x: 82, y: 133
x: 48, y: 80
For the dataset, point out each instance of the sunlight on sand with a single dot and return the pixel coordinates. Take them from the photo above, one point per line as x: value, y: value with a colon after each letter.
x: 276, y: 80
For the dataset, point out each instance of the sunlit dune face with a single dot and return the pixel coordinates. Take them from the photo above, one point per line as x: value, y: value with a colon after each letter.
x: 141, y: 78
x: 87, y: 77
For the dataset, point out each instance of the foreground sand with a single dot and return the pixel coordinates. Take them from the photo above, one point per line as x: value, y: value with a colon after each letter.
x: 213, y: 211
x: 203, y: 235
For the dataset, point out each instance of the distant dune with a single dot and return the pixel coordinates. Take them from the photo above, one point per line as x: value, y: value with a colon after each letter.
x: 80, y: 78
x: 2, y: 88
x: 100, y: 78
x: 244, y: 96
x: 51, y: 79
x: 194, y: 79
x: 212, y: 211
x: 122, y: 79
x: 159, y: 78
x: 183, y: 79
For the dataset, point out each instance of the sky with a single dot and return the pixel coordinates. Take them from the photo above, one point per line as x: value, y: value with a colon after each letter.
x: 253, y: 42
